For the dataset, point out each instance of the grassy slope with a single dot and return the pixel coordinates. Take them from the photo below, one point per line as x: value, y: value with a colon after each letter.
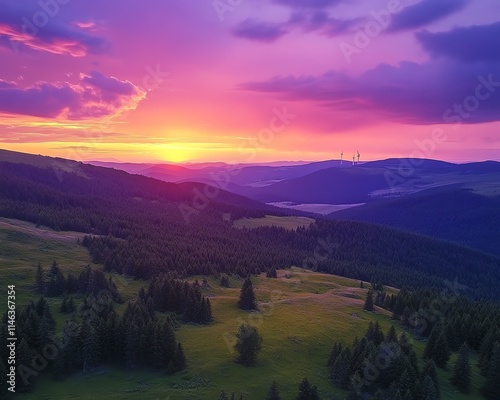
x: 302, y: 314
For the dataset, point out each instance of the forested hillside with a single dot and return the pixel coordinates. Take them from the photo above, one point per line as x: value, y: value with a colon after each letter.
x: 138, y: 226
x: 452, y: 213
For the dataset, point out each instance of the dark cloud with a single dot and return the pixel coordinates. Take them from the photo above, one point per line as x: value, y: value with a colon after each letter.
x: 308, y: 21
x: 109, y: 84
x: 469, y: 44
x: 93, y: 96
x: 321, y: 22
x: 259, y: 30
x: 308, y: 3
x: 28, y: 25
x: 424, y: 13
x: 409, y: 93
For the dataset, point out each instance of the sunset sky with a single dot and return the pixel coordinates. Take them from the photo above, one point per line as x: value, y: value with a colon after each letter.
x: 250, y: 80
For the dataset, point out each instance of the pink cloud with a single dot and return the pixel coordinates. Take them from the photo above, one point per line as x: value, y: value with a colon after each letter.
x: 94, y: 96
x: 39, y: 29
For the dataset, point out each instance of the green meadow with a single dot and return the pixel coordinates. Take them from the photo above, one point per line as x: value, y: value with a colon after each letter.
x: 291, y: 223
x: 302, y: 313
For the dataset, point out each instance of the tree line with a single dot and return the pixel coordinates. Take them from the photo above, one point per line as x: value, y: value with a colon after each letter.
x: 135, y: 227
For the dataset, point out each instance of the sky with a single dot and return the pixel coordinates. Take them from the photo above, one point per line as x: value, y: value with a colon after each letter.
x: 250, y: 80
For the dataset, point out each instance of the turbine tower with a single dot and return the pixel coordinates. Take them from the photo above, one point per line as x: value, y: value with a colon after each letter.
x: 358, y: 156
x: 354, y: 159
x: 341, y: 157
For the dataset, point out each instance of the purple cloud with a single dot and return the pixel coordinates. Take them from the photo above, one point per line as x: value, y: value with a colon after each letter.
x: 259, y: 30
x: 109, y: 84
x: 39, y: 28
x: 93, y: 96
x: 320, y: 21
x: 424, y: 13
x: 308, y: 21
x: 308, y: 3
x: 409, y: 93
x: 469, y: 44
x: 6, y: 85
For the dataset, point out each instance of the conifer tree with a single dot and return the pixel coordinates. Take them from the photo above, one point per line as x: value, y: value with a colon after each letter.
x: 430, y: 371
x: 441, y: 351
x: 248, y: 344
x: 307, y: 391
x: 392, y: 335
x: 462, y: 371
x: 39, y: 282
x: 428, y: 390
x: 369, y: 301
x: 273, y: 393
x: 224, y: 281
x: 491, y: 388
x: 179, y: 358
x: 436, y: 347
x: 247, y: 296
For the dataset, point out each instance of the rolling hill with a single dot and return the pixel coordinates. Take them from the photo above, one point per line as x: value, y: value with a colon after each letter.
x: 302, y: 314
x: 146, y: 226
x: 456, y: 213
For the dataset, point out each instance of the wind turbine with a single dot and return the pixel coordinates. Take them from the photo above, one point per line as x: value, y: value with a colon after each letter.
x: 354, y: 159
x: 341, y: 157
x: 358, y: 156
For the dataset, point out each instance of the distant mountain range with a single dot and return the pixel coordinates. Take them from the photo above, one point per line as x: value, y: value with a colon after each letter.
x: 141, y: 229
x: 455, y: 202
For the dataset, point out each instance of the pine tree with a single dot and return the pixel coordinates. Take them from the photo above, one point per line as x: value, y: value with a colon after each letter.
x: 430, y: 371
x: 486, y: 349
x: 428, y: 390
x: 273, y: 393
x: 39, y: 283
x: 491, y: 388
x: 307, y: 391
x: 441, y: 351
x: 248, y: 344
x: 392, y: 335
x: 24, y: 358
x: 406, y: 384
x: 223, y: 395
x: 247, y: 296
x: 436, y: 347
x: 180, y: 359
x: 462, y: 371
x: 224, y: 281
x: 90, y: 350
x: 431, y: 342
x: 369, y: 301
x: 272, y: 273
